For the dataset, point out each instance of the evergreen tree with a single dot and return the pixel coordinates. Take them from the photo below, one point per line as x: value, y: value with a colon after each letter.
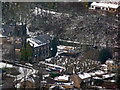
x: 54, y: 45
x: 29, y: 52
x: 23, y: 54
x: 105, y: 54
x: 26, y: 54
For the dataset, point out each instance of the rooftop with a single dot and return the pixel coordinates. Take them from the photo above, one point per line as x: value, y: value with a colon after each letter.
x: 109, y: 61
x: 106, y: 5
x: 84, y: 75
x: 1, y: 36
x: 62, y: 78
x: 111, y: 1
x: 39, y: 40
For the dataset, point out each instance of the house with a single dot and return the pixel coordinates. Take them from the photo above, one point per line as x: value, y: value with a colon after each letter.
x: 2, y: 38
x: 15, y: 37
x: 104, y: 67
x: 41, y: 46
x: 62, y: 78
x: 112, y: 66
x: 65, y: 81
x: 56, y: 88
x: 86, y: 78
x: 110, y: 1
x: 109, y: 66
x: 110, y: 7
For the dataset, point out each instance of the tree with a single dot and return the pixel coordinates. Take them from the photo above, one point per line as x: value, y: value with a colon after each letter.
x: 54, y: 44
x: 91, y: 54
x: 23, y: 54
x: 104, y: 55
x: 118, y: 77
x: 29, y: 52
x: 26, y: 54
x: 16, y: 10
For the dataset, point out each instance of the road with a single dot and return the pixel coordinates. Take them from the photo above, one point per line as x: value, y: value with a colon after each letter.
x: 25, y: 70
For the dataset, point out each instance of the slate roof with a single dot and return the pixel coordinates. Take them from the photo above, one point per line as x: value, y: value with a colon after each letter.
x: 7, y: 30
x: 39, y: 40
x: 111, y: 1
x: 43, y: 39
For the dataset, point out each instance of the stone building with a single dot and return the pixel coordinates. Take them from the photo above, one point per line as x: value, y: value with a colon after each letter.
x: 41, y: 46
x: 109, y: 7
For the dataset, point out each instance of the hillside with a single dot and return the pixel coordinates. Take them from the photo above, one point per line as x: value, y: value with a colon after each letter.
x: 72, y: 21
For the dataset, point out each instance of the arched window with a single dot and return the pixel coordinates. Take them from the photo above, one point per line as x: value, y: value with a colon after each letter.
x: 103, y: 8
x: 92, y: 6
x: 107, y: 9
